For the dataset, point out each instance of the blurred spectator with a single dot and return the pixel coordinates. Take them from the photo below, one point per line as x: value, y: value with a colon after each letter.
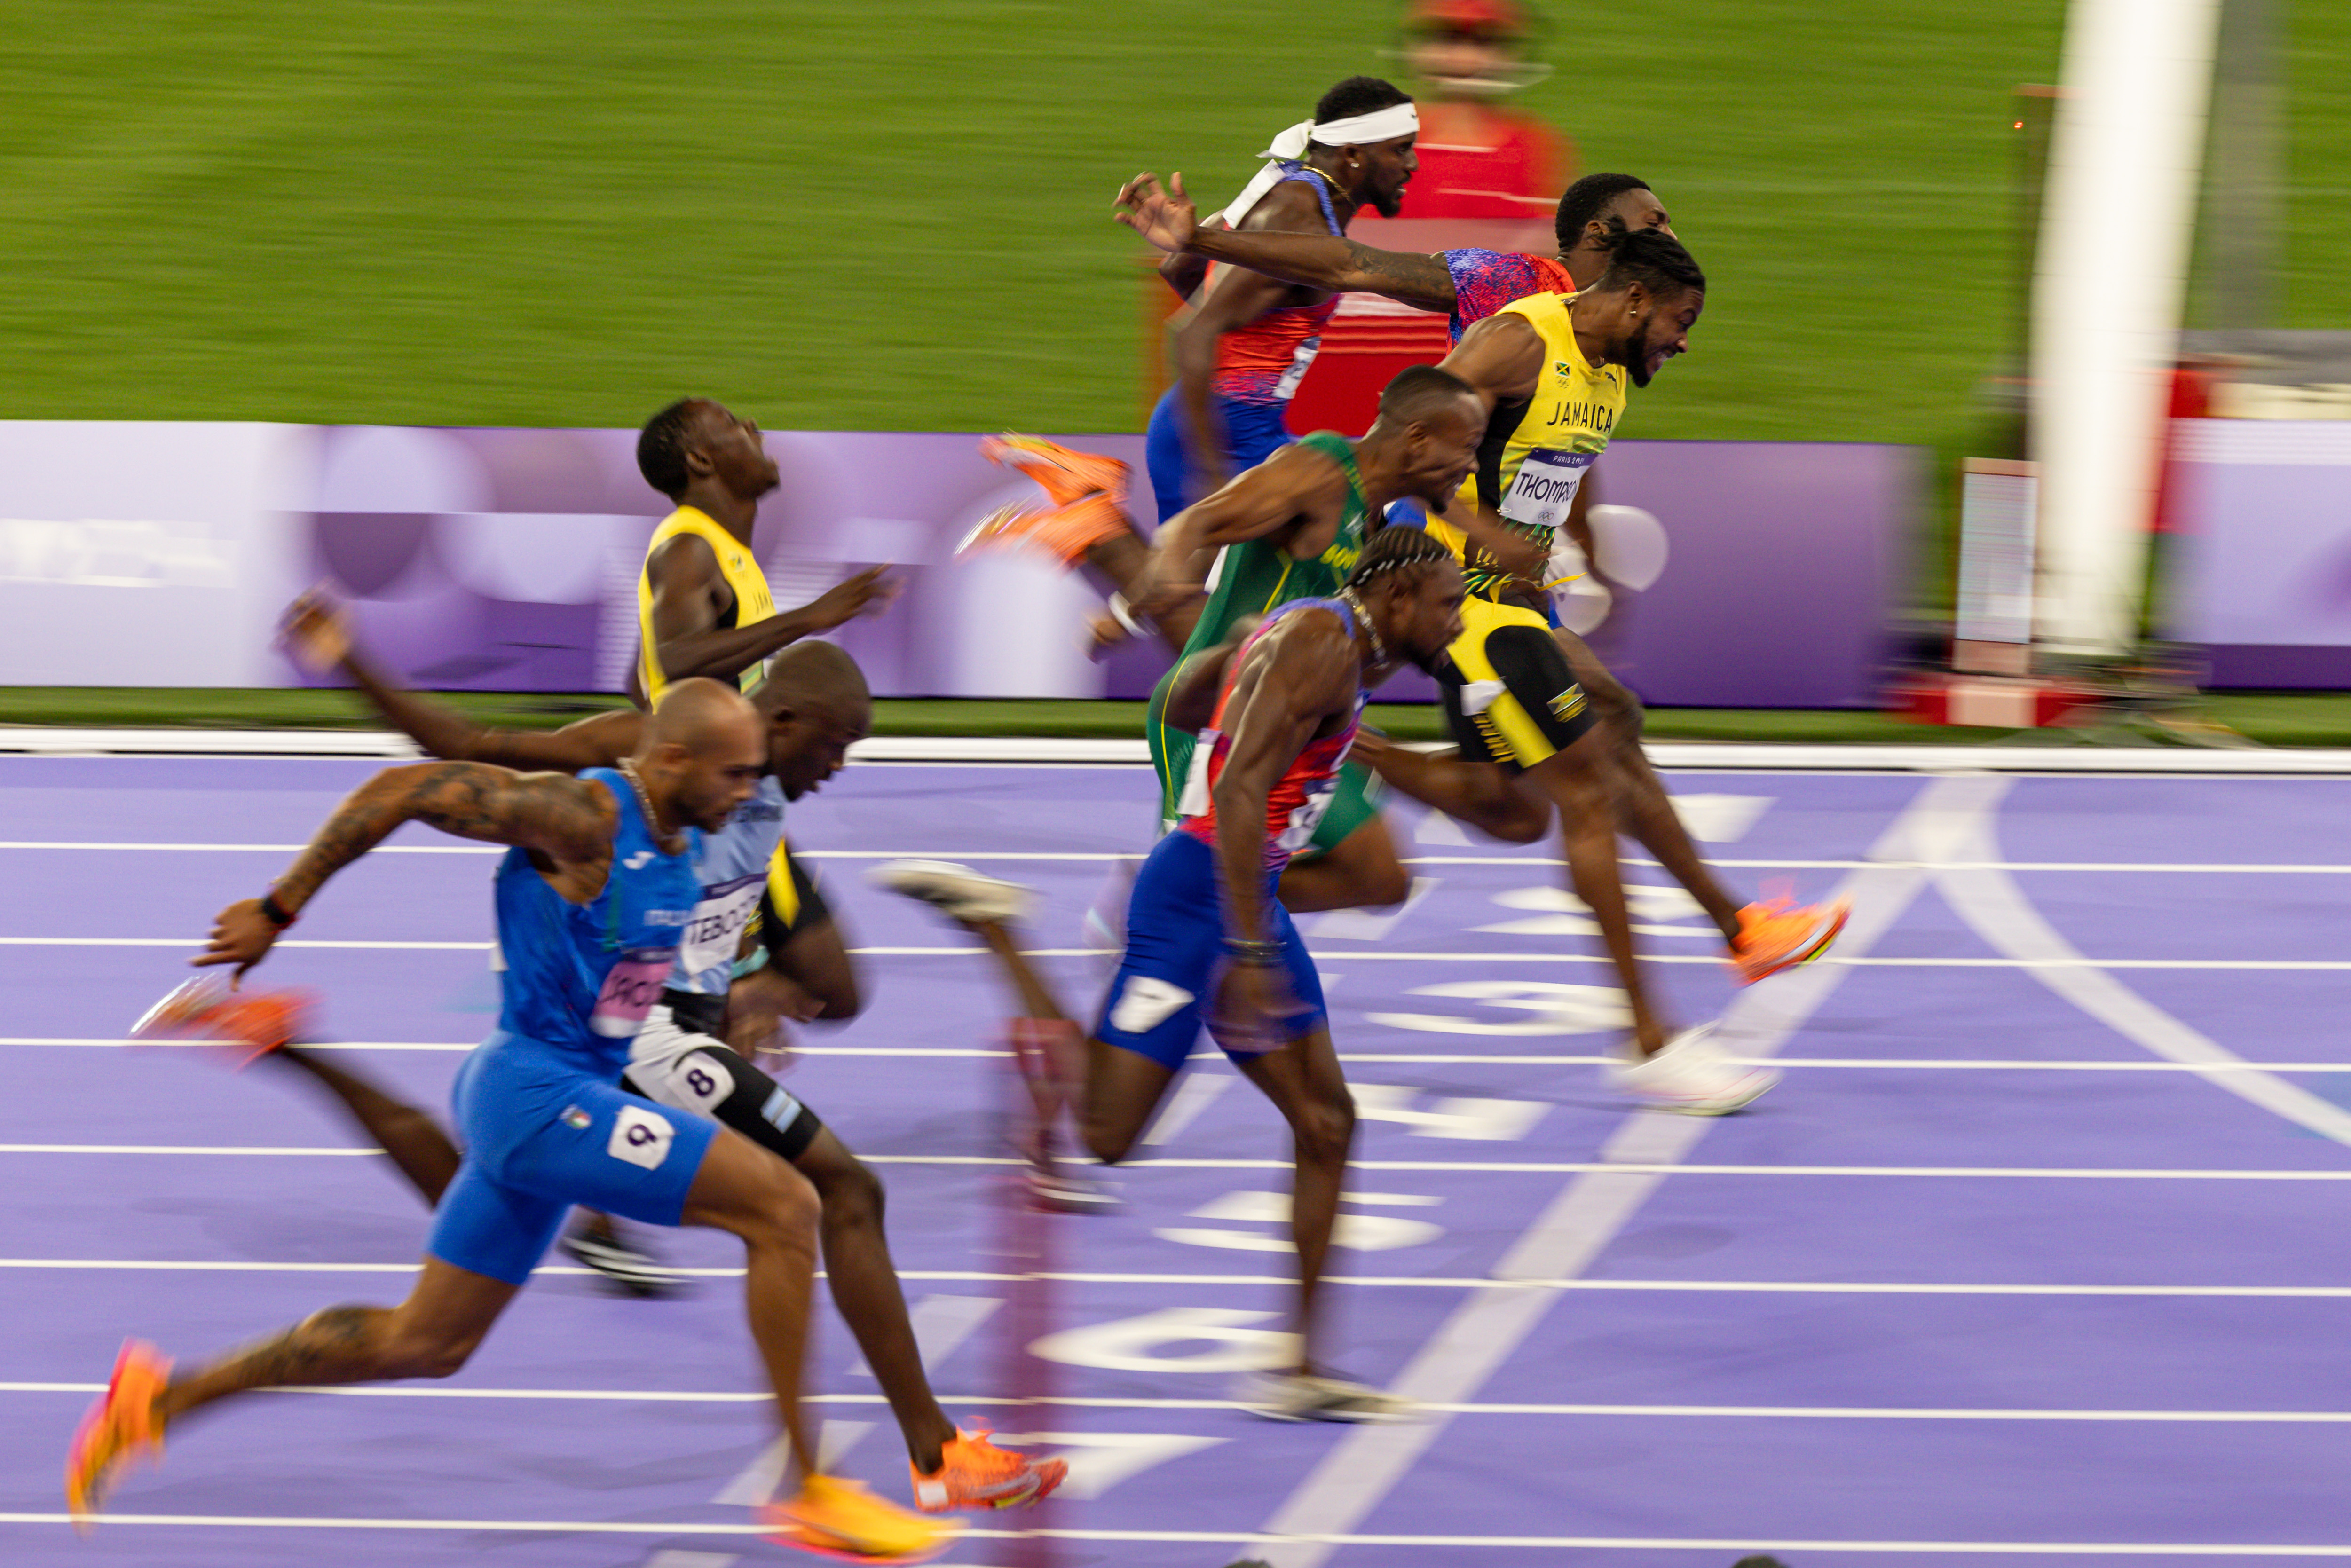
x: 1478, y: 158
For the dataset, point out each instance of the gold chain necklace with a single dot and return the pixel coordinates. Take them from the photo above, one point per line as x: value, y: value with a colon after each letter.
x: 645, y: 802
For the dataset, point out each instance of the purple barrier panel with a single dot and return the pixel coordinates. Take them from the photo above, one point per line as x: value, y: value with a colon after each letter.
x: 1786, y: 564
x: 2260, y: 573
x: 508, y: 559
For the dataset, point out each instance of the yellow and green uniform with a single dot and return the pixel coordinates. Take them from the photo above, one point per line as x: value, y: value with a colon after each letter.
x: 791, y: 893
x: 1538, y: 449
x: 744, y: 581
x: 1253, y: 576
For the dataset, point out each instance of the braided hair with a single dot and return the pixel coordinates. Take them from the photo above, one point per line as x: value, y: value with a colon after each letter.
x: 1395, y: 549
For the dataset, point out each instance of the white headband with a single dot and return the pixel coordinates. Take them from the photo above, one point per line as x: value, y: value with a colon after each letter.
x: 1355, y: 131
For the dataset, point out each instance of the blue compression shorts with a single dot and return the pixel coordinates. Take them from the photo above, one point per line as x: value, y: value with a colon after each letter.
x: 1176, y: 950
x: 1253, y: 433
x: 542, y: 1134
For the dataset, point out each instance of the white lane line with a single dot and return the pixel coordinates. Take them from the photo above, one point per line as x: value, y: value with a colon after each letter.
x: 1515, y: 1288
x: 1990, y: 902
x: 1230, y: 1538
x: 252, y: 848
x: 195, y: 942
x: 2158, y: 867
x: 1630, y: 1412
x: 2073, y: 961
x: 1489, y: 1167
x: 1401, y: 1058
x: 1195, y: 1093
x: 1484, y: 1332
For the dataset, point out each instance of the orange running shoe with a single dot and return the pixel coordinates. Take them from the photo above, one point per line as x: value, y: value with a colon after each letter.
x: 254, y: 1022
x: 838, y: 1519
x: 974, y: 1473
x: 1067, y: 475
x: 121, y: 1425
x: 1065, y: 532
x: 1775, y: 935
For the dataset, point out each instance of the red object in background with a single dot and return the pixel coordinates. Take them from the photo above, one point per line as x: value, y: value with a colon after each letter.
x: 2192, y: 398
x: 1489, y: 178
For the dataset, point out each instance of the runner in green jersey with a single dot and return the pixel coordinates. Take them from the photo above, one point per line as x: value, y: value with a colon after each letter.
x: 1291, y: 528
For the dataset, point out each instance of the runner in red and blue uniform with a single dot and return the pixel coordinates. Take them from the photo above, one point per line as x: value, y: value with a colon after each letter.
x: 1468, y: 285
x: 1207, y: 941
x: 1249, y: 339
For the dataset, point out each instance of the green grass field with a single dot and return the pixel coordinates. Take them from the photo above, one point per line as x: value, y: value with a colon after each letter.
x: 863, y: 217
x: 448, y: 212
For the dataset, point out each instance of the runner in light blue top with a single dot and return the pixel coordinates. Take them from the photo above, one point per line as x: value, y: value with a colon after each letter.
x: 591, y: 905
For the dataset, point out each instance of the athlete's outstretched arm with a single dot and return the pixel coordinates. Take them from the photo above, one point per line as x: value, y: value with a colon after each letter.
x: 1295, y: 480
x: 688, y: 640
x: 1332, y: 263
x: 1478, y: 793
x: 566, y: 819
x: 318, y: 633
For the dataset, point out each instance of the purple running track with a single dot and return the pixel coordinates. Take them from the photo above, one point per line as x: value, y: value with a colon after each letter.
x: 1986, y: 1279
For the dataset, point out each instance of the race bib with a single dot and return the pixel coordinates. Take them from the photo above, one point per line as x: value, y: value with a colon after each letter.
x: 631, y: 988
x: 714, y: 933
x: 1545, y: 487
x: 1307, y: 816
x: 1288, y: 385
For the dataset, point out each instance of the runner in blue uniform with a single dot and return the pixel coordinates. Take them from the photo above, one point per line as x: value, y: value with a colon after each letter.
x: 698, y: 1049
x: 592, y: 899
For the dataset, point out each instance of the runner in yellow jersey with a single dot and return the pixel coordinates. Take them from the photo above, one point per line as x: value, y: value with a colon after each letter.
x: 1552, y: 370
x: 703, y: 608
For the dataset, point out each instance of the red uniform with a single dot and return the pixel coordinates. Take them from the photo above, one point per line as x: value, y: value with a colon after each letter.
x: 1294, y: 806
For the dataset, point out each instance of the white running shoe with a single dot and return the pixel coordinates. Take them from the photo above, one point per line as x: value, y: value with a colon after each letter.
x: 955, y: 890
x: 1298, y: 1397
x: 1692, y: 1076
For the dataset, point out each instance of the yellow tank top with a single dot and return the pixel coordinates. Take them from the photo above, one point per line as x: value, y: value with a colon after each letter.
x: 1536, y: 451
x: 736, y: 564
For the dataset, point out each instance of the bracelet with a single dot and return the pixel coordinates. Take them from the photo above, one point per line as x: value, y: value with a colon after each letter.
x: 1123, y: 613
x: 275, y: 911
x: 1262, y: 954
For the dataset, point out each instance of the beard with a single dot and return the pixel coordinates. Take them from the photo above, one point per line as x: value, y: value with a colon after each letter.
x: 1387, y: 204
x: 1636, y: 362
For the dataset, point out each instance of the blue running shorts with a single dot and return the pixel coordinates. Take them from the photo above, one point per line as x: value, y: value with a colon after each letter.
x: 542, y: 1134
x: 1253, y: 433
x: 1174, y: 951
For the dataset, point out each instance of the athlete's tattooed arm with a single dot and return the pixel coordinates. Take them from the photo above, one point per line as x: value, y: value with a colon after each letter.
x: 1329, y: 262
x: 318, y: 632
x: 568, y: 819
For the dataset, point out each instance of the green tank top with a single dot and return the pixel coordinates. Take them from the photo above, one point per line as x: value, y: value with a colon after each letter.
x: 1255, y: 575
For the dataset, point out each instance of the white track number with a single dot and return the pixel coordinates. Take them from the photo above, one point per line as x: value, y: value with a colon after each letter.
x: 641, y: 1136
x: 1553, y: 1006
x: 1356, y: 1232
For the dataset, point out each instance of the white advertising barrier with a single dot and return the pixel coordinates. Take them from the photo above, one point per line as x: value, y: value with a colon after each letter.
x: 148, y: 555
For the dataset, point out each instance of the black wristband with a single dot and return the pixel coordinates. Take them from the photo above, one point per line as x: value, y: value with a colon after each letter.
x: 275, y: 911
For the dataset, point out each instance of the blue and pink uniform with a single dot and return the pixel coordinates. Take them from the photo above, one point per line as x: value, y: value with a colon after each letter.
x: 1175, y: 919
x: 1258, y: 369
x: 1486, y: 280
x: 540, y: 1109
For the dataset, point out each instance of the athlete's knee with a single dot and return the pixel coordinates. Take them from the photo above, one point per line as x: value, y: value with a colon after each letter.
x: 1326, y: 1128
x: 837, y: 996
x: 1105, y: 1140
x: 849, y: 1193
